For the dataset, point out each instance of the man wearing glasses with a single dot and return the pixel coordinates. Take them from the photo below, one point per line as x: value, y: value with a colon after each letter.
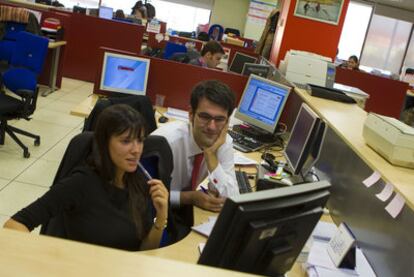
x: 202, y: 148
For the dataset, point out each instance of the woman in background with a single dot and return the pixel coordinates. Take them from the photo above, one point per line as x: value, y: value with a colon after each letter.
x: 264, y: 46
x: 106, y: 201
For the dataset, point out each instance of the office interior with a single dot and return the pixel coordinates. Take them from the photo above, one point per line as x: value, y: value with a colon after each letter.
x: 380, y: 33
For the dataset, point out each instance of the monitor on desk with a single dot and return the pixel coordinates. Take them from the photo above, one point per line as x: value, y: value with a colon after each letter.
x: 106, y: 12
x: 305, y: 141
x: 264, y: 232
x: 124, y: 74
x: 239, y: 60
x: 262, y: 103
x: 257, y: 69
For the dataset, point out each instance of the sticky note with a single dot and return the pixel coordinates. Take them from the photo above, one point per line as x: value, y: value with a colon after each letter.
x: 395, y: 206
x: 385, y: 193
x: 372, y: 179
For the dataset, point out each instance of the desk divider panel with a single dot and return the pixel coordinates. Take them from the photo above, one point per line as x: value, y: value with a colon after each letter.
x: 88, y: 35
x: 176, y: 80
x: 386, y: 242
x: 386, y: 96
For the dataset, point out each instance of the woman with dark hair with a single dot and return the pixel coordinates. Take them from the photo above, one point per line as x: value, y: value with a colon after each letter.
x: 264, y: 45
x: 352, y: 63
x: 106, y: 201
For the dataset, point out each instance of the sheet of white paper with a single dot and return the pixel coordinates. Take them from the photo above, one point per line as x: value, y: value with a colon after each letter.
x: 385, y: 193
x: 205, y: 228
x: 201, y: 247
x: 324, y: 230
x: 372, y: 179
x: 396, y: 205
x: 318, y: 256
x: 240, y: 159
x: 363, y: 268
x: 177, y: 114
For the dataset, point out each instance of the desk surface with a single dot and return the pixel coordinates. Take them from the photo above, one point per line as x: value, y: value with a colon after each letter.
x: 56, y: 44
x: 24, y: 254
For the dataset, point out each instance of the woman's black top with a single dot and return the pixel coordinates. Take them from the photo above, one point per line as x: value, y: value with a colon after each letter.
x: 93, y: 211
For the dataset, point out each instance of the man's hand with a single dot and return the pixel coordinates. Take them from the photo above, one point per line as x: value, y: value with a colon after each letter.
x: 207, y: 201
x: 219, y: 142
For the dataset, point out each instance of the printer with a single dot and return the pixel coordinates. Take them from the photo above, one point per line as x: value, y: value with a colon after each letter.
x: 308, y: 68
x: 391, y: 138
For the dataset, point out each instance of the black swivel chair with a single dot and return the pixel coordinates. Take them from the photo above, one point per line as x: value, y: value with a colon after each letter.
x: 141, y: 103
x: 156, y: 158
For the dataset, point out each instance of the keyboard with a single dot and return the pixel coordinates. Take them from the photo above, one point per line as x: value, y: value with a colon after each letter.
x: 243, y: 182
x: 244, y: 143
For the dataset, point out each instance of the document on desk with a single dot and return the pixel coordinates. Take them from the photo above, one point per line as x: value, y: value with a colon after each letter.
x: 375, y: 177
x: 320, y: 263
x: 177, y: 114
x: 324, y: 231
x: 206, y: 228
x: 240, y: 159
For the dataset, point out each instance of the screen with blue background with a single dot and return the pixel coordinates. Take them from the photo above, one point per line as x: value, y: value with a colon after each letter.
x: 263, y: 101
x: 125, y: 74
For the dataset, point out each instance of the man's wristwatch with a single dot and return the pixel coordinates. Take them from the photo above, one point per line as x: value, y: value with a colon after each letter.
x: 160, y: 226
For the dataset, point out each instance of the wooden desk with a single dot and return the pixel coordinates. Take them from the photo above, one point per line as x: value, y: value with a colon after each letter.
x: 55, y: 47
x: 23, y: 254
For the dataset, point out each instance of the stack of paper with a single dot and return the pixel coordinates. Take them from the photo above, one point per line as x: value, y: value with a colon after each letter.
x: 240, y: 159
x: 177, y: 114
x: 205, y: 228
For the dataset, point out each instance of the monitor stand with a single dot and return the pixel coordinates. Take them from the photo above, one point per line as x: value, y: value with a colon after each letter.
x: 255, y: 133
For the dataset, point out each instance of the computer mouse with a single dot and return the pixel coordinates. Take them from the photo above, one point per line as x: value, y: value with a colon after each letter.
x: 162, y: 119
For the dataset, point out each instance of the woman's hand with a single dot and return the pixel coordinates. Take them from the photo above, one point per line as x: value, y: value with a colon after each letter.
x: 159, y: 196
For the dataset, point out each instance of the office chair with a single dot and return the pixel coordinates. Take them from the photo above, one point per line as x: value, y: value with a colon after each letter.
x: 216, y: 32
x: 156, y: 158
x: 173, y: 48
x: 141, y: 103
x: 20, y: 79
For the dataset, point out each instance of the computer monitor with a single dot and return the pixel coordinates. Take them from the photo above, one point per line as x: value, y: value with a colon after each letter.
x: 106, y: 12
x: 257, y: 69
x: 264, y: 232
x: 77, y: 9
x: 124, y: 74
x: 262, y: 103
x: 239, y: 60
x: 307, y: 130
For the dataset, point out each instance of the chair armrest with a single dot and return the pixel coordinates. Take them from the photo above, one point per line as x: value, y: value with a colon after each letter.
x: 25, y: 93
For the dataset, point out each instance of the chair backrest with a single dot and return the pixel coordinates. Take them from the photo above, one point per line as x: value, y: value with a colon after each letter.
x: 141, y: 103
x: 172, y: 48
x: 156, y: 157
x: 30, y: 52
x: 12, y: 30
x: 216, y: 32
x: 6, y: 50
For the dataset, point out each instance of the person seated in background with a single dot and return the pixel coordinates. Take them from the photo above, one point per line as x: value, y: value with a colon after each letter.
x: 119, y: 14
x: 352, y: 63
x: 106, y: 201
x: 211, y: 55
x: 202, y: 148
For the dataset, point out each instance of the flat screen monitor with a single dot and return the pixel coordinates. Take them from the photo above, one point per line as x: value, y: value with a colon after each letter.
x: 106, y: 12
x: 77, y: 9
x: 262, y: 103
x: 239, y: 60
x: 257, y: 69
x: 124, y: 74
x: 302, y: 138
x: 264, y: 232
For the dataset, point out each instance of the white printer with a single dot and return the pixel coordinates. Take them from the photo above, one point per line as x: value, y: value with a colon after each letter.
x: 308, y: 68
x: 391, y: 138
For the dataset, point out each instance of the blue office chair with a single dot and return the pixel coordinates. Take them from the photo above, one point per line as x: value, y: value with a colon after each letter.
x: 215, y: 32
x: 20, y: 80
x: 172, y: 48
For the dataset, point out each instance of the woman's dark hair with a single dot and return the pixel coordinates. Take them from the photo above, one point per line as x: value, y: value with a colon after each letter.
x: 119, y: 14
x: 114, y: 121
x: 354, y: 58
x: 214, y: 91
x: 137, y: 5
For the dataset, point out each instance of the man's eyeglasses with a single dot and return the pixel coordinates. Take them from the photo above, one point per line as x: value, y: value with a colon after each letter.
x: 205, y: 118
